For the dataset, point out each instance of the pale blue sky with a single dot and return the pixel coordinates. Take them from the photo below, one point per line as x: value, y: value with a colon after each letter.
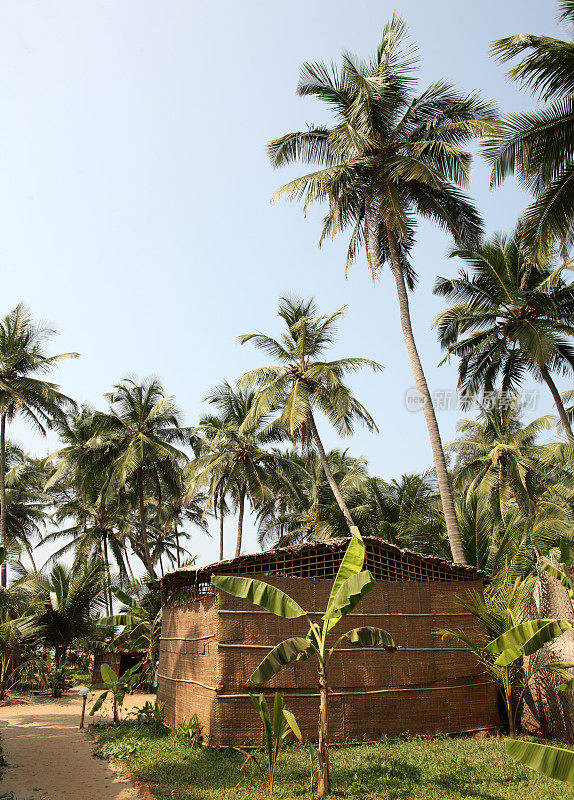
x: 134, y: 191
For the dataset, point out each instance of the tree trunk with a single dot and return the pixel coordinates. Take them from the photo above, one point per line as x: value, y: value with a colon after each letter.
x: 145, y: 543
x: 328, y: 474
x: 220, y: 533
x: 558, y: 401
x: 128, y: 565
x: 324, y: 777
x: 176, y: 534
x: 240, y: 521
x: 443, y: 479
x: 3, y: 531
x: 109, y: 600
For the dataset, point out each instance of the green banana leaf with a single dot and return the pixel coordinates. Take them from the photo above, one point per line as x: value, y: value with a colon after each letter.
x: 350, y: 594
x: 560, y: 575
x: 99, y: 703
x: 124, y: 598
x: 371, y: 637
x: 526, y: 638
x: 260, y: 704
x: 554, y: 762
x: 259, y: 593
x: 292, y: 723
x: 287, y: 651
x: 351, y: 564
x: 108, y: 674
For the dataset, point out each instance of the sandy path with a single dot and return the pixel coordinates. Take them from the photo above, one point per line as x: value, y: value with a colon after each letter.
x: 51, y: 759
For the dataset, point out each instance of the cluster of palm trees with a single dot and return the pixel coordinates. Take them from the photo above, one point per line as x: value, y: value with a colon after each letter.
x: 132, y: 481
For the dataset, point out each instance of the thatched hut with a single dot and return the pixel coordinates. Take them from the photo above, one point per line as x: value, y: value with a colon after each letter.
x: 212, y: 642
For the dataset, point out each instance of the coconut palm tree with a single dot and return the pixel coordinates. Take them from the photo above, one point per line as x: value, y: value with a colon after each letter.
x: 302, y: 506
x: 392, y: 155
x: 510, y: 315
x: 23, y: 358
x: 137, y: 437
x: 301, y: 382
x: 26, y: 501
x: 234, y: 461
x: 66, y: 603
x: 537, y: 146
x: 499, y: 457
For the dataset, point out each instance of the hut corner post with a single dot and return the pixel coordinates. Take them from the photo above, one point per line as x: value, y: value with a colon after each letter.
x: 324, y: 778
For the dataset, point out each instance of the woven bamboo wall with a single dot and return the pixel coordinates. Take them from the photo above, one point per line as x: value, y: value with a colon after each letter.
x: 211, y: 646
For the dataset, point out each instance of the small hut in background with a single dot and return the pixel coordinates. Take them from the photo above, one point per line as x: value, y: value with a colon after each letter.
x: 118, y: 661
x: 212, y: 642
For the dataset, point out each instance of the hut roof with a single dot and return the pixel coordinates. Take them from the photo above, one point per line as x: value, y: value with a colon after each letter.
x: 312, y: 559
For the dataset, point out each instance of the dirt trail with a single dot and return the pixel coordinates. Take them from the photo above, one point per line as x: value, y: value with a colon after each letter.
x: 51, y: 759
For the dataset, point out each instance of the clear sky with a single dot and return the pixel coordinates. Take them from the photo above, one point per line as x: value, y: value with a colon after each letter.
x: 134, y: 192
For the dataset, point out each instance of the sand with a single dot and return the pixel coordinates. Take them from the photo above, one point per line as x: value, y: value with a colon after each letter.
x: 49, y: 758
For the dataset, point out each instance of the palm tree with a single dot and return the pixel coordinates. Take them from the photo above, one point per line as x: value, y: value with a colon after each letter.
x: 390, y: 157
x: 510, y: 315
x: 537, y: 146
x: 499, y: 457
x: 233, y: 463
x: 138, y: 437
x: 302, y: 506
x: 301, y: 382
x: 22, y: 358
x: 26, y: 500
x: 66, y: 603
x: 96, y: 530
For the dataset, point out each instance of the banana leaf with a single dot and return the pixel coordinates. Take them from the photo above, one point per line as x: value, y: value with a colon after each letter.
x: 351, y: 564
x: 99, y: 703
x: 292, y: 723
x: 260, y: 594
x: 554, y: 762
x: 526, y: 638
x: 108, y: 674
x: 289, y: 650
x: 369, y: 636
x: 350, y: 594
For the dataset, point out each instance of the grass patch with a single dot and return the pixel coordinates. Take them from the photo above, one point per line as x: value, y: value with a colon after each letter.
x: 413, y: 769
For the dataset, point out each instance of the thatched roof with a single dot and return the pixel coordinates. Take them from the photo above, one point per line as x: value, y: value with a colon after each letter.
x: 269, y: 560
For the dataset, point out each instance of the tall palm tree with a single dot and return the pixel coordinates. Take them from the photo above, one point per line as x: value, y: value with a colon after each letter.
x: 499, y: 457
x: 302, y: 382
x: 234, y: 461
x: 391, y: 156
x: 537, y: 146
x: 510, y: 315
x: 138, y: 436
x: 23, y: 358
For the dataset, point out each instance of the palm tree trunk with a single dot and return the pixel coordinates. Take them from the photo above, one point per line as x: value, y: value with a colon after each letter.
x: 30, y: 551
x: 324, y: 777
x: 3, y: 536
x: 328, y: 474
x: 240, y: 521
x: 443, y: 479
x: 558, y: 401
x: 176, y: 534
x: 108, y: 576
x: 220, y: 533
x: 128, y: 565
x: 145, y: 543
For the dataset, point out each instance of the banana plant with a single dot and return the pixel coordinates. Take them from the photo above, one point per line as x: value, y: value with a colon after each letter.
x: 116, y: 685
x: 351, y: 584
x: 276, y: 729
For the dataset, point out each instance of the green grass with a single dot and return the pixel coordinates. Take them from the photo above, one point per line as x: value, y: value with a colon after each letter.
x: 433, y: 769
